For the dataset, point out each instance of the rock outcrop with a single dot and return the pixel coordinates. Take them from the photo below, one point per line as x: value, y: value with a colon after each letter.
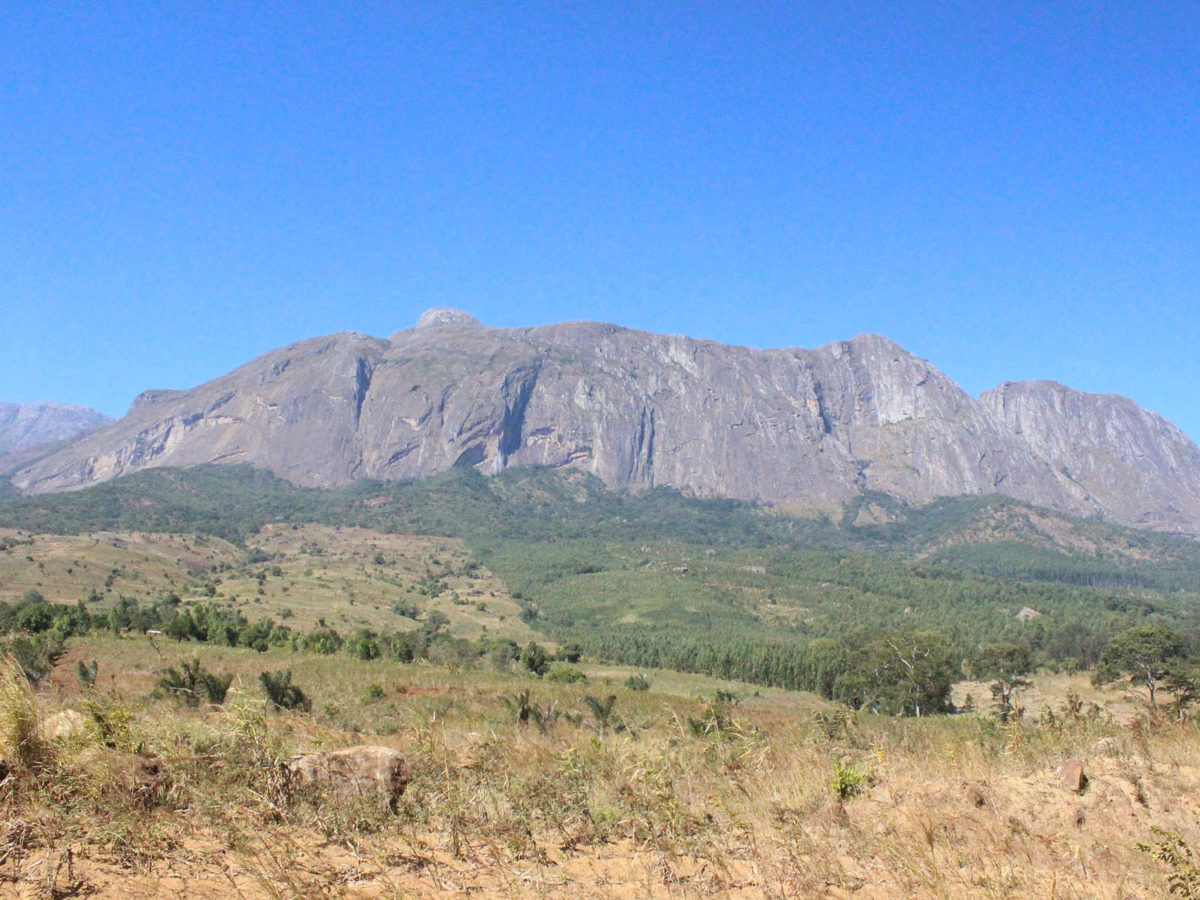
x: 355, y: 772
x: 797, y: 428
x: 1127, y: 459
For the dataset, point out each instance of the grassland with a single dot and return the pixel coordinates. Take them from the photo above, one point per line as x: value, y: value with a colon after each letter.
x: 712, y: 572
x: 348, y: 577
x: 526, y: 786
x: 692, y: 788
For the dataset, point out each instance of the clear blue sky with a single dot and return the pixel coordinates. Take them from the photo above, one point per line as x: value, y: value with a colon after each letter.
x: 1008, y: 190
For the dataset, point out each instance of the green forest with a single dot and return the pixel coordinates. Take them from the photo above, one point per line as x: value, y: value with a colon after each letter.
x: 661, y: 579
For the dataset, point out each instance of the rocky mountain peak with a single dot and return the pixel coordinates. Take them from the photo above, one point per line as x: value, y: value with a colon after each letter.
x: 798, y: 428
x: 440, y: 316
x: 1124, y: 457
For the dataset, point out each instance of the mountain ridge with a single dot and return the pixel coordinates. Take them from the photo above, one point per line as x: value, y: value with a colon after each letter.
x: 27, y: 426
x: 795, y: 428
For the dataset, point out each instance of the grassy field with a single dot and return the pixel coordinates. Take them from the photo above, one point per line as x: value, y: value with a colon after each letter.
x: 350, y: 577
x: 692, y: 788
x: 633, y: 783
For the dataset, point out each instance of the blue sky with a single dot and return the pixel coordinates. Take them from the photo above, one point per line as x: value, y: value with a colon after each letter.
x: 1008, y: 190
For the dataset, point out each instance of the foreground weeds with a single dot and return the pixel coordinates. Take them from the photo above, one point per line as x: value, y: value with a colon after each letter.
x: 519, y: 789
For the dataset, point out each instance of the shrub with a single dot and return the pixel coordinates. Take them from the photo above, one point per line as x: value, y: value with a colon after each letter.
x: 282, y: 693
x: 374, y: 693
x: 848, y: 780
x: 190, y: 684
x: 602, y: 713
x: 36, y: 655
x: 535, y: 659
x: 1171, y: 850
x: 523, y: 707
x: 87, y: 674
x: 637, y: 682
x: 113, y: 721
x: 564, y: 674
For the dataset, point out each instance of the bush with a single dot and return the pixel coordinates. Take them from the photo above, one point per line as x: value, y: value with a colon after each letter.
x: 35, y: 617
x: 87, y: 674
x: 374, y: 693
x: 190, y: 684
x: 535, y: 659
x: 282, y: 693
x: 36, y: 655
x: 637, y: 682
x: 848, y: 780
x: 564, y: 674
x: 1183, y: 877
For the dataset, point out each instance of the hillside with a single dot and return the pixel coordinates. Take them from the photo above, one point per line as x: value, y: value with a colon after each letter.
x: 802, y: 430
x: 654, y: 578
x: 691, y: 788
x: 662, y: 752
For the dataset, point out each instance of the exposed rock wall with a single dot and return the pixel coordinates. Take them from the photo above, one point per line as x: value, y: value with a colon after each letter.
x: 1128, y: 460
x: 802, y: 428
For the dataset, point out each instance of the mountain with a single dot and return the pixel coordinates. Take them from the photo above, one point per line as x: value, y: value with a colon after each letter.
x: 24, y: 426
x: 1123, y: 456
x: 800, y: 429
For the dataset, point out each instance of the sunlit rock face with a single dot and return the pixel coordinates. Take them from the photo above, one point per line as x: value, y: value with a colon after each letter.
x: 1131, y: 462
x: 798, y: 428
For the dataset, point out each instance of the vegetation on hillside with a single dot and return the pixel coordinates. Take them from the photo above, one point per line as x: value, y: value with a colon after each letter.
x: 655, y: 579
x: 528, y: 787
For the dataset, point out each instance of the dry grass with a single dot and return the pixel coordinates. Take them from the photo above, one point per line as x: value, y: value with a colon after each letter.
x: 681, y: 797
x: 21, y: 745
x: 349, y: 577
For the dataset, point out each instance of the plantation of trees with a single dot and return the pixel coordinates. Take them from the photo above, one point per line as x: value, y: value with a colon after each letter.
x: 879, y: 616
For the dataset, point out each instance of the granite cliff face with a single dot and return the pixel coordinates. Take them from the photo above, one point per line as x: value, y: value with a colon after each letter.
x: 1124, y: 457
x: 799, y: 428
x: 24, y: 426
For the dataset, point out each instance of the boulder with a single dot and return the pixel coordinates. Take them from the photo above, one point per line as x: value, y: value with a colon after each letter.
x: 1070, y: 775
x: 137, y: 775
x: 362, y: 771
x: 64, y: 725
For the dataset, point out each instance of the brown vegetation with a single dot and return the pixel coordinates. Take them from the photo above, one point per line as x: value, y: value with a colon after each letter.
x: 679, y: 793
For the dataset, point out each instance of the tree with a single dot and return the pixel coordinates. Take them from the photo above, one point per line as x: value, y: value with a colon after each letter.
x: 1006, y: 666
x: 1183, y: 683
x: 534, y: 658
x: 824, y: 659
x: 897, y: 672
x: 1144, y: 653
x: 571, y: 653
x: 35, y: 617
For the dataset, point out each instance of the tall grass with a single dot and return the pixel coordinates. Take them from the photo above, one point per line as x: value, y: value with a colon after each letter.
x: 21, y: 745
x: 774, y: 795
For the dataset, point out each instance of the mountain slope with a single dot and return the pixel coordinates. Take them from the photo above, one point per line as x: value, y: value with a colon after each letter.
x: 1125, y: 457
x: 797, y: 428
x: 24, y: 426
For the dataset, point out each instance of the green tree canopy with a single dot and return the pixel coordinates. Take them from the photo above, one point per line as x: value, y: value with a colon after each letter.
x: 1142, y: 653
x: 902, y: 672
x: 1005, y: 666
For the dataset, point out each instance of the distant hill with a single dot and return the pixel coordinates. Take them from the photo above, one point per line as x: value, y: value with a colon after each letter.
x: 657, y: 578
x: 25, y: 426
x: 796, y: 429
